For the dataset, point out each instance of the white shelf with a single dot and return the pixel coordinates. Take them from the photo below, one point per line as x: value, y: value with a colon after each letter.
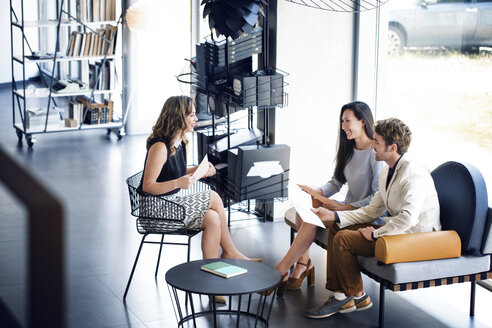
x: 53, y: 127
x: 64, y: 22
x: 45, y: 92
x: 63, y: 59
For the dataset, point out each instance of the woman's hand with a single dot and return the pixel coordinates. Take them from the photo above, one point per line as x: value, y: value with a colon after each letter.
x: 333, y: 205
x: 186, y: 181
x: 310, y: 190
x: 211, y: 170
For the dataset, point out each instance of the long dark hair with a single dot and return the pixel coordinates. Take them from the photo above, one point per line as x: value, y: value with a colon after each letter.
x: 171, y: 121
x: 345, y: 149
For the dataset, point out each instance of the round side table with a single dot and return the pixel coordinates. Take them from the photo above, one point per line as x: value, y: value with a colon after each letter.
x: 188, y: 277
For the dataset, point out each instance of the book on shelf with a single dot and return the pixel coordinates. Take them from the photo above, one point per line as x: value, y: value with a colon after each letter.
x: 95, y: 10
x: 89, y: 10
x: 75, y: 111
x: 93, y: 115
x: 110, y: 104
x: 102, y: 10
x: 99, y: 40
x: 36, y: 117
x: 87, y: 45
x: 82, y: 44
x: 72, y: 44
x: 77, y: 43
x: 92, y: 45
x: 223, y: 269
x: 82, y: 10
x: 110, y: 10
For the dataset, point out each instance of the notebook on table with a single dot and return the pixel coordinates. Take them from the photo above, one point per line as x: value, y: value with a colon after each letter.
x: 223, y: 269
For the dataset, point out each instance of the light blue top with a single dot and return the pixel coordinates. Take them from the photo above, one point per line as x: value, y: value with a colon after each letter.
x: 362, y: 174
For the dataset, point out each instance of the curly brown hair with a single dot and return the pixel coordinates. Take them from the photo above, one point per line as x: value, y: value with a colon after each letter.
x: 394, y: 131
x: 172, y: 121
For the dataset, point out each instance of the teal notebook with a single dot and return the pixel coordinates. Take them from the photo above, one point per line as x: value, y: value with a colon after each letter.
x: 222, y: 269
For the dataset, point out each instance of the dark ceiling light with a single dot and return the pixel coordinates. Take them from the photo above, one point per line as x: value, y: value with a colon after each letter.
x: 232, y: 18
x: 341, y: 5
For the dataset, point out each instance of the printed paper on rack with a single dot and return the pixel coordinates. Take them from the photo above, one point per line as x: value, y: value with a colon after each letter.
x: 202, y: 168
x: 302, y: 203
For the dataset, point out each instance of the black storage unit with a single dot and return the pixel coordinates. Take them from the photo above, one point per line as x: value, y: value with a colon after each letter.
x: 258, y: 172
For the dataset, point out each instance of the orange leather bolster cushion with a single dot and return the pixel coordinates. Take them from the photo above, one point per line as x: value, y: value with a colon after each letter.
x: 420, y: 246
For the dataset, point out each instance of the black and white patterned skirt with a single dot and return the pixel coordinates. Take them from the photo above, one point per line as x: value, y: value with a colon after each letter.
x: 153, y: 210
x: 196, y: 205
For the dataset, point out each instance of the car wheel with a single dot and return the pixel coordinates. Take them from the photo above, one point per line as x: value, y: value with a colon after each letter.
x: 396, y: 40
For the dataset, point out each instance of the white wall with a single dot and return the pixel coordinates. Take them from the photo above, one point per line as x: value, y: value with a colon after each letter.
x: 5, y: 71
x: 157, y: 56
x: 315, y: 47
x: 30, y: 7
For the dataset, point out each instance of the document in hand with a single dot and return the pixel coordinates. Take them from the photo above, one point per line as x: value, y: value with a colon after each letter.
x: 223, y: 269
x: 202, y: 168
x: 302, y: 203
x: 319, y: 197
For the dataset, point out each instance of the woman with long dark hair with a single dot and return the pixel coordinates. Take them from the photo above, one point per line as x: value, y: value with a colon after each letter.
x: 166, y: 172
x: 357, y: 167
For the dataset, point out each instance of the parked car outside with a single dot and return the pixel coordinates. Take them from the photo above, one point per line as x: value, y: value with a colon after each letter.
x: 434, y: 23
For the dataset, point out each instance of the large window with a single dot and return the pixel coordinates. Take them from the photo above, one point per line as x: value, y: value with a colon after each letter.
x: 436, y: 77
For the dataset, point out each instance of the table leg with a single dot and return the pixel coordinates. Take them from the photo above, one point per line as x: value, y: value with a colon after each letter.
x: 238, y: 311
x: 258, y: 309
x: 249, y: 302
x: 271, y: 306
x: 178, y: 306
x: 263, y: 306
x: 215, y: 311
x: 192, y: 310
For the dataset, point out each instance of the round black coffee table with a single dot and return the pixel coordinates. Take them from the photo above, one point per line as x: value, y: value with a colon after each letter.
x: 188, y: 277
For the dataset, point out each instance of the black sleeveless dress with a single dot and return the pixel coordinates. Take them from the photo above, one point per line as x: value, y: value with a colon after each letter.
x: 195, y: 204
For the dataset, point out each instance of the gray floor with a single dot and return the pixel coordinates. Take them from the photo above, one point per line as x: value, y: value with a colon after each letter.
x: 87, y: 171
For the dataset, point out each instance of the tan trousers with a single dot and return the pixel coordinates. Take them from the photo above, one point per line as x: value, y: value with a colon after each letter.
x: 342, y: 266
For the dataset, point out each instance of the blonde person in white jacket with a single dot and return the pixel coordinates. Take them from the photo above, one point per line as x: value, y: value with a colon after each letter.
x: 406, y: 191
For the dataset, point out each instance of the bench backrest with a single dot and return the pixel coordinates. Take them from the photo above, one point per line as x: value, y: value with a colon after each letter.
x: 463, y: 203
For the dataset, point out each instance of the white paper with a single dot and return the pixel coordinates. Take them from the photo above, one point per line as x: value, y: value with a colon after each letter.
x: 302, y: 202
x: 265, y: 169
x: 202, y: 169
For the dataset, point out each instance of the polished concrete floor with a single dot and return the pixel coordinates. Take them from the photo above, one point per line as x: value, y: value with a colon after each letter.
x: 87, y: 171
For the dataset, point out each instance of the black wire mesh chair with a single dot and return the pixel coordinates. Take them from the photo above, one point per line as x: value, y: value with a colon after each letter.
x: 157, y: 215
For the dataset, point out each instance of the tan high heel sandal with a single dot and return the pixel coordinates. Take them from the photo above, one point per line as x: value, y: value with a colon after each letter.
x: 281, y: 287
x: 295, y: 283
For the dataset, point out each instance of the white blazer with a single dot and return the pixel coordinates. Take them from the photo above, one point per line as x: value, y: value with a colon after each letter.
x: 411, y: 200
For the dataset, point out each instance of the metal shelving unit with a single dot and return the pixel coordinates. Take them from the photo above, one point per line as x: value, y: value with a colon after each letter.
x: 22, y: 55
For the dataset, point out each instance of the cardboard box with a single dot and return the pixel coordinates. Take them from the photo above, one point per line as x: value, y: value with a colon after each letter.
x: 71, y: 123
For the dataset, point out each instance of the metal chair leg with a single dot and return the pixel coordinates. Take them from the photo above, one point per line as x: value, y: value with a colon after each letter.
x: 134, y: 266
x: 189, y: 248
x: 472, y: 298
x: 381, y: 306
x: 159, y: 257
